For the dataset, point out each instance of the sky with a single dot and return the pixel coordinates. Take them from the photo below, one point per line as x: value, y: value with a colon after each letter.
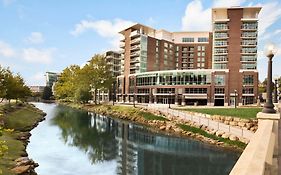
x: 40, y: 36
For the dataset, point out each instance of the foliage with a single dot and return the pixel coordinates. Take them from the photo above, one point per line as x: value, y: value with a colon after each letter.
x: 246, y: 113
x: 47, y: 93
x: 12, y: 86
x: 75, y: 83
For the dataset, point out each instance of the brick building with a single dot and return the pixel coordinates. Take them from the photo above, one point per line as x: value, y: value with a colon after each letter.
x: 209, y: 68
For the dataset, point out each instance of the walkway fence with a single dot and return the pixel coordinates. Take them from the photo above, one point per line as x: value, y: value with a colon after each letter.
x: 203, y: 120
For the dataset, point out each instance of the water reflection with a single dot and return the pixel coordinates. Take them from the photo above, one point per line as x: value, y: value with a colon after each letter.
x: 137, y: 150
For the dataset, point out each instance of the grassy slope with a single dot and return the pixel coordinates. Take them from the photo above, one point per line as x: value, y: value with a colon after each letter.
x: 246, y: 113
x: 21, y: 120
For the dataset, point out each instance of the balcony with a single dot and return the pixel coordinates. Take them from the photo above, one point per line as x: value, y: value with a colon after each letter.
x: 135, y: 60
x: 135, y: 34
x: 133, y: 48
x: 135, y: 54
x: 133, y: 67
x: 135, y: 41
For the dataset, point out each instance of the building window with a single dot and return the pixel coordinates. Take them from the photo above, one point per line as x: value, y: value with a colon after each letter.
x: 198, y: 48
x: 248, y: 91
x: 187, y: 40
x: 203, y: 59
x: 203, y: 54
x: 157, y: 43
x: 219, y: 79
x: 165, y: 44
x: 248, y: 80
x: 202, y: 39
x: 203, y: 48
x: 198, y: 65
x: 202, y: 65
x: 177, y: 48
x: 198, y: 59
x: 199, y: 54
x: 157, y: 49
x: 219, y: 90
x: 196, y: 90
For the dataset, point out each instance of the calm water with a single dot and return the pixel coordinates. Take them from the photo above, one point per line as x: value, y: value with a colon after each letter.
x: 74, y: 142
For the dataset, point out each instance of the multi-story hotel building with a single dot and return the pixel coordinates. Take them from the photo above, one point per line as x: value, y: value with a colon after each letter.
x: 214, y: 68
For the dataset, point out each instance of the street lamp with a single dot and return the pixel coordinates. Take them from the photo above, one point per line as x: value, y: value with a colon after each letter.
x: 275, y: 90
x: 268, y: 107
x: 114, y: 92
x: 235, y: 94
x: 169, y: 98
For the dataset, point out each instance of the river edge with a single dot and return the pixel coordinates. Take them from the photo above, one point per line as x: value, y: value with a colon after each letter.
x: 18, y: 124
x: 156, y: 125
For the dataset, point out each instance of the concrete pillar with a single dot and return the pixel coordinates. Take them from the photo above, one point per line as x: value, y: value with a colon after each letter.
x: 183, y: 100
x: 275, y: 168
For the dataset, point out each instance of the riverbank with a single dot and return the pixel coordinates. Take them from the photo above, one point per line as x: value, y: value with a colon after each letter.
x: 166, y: 124
x: 18, y: 120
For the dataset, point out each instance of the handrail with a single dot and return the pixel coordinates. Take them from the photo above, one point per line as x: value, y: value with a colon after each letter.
x: 258, y: 155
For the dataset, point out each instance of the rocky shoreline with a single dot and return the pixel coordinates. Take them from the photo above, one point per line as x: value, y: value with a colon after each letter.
x: 170, y: 126
x: 23, y: 164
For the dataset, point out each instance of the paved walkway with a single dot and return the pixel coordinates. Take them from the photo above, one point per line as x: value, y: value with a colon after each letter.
x: 239, y: 132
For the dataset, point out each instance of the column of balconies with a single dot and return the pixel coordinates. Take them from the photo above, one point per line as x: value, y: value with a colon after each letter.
x: 135, y: 51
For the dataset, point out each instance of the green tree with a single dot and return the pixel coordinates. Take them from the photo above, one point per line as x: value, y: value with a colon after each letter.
x: 47, y: 93
x: 66, y: 85
x: 100, y: 74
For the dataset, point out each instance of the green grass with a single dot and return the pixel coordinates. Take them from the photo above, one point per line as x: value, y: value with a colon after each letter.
x: 246, y: 113
x: 20, y: 119
x: 15, y: 149
x: 214, y: 137
x: 130, y: 112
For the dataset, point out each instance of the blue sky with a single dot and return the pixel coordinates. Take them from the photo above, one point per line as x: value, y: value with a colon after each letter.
x: 40, y: 36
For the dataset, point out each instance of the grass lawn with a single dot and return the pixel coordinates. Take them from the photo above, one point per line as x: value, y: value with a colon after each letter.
x: 246, y: 113
x: 214, y: 137
x: 21, y: 119
x: 131, y: 111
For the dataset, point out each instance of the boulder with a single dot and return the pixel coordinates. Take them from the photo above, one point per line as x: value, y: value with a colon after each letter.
x: 225, y: 135
x: 233, y: 123
x: 241, y: 124
x: 21, y: 169
x: 233, y: 138
x: 162, y: 127
x: 219, y: 133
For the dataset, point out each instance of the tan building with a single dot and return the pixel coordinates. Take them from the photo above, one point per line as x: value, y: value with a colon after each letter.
x: 187, y: 67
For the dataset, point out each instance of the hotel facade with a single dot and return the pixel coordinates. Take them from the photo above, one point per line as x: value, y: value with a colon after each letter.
x: 217, y: 68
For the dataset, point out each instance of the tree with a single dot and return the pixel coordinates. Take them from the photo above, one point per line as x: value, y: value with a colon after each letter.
x: 47, y: 93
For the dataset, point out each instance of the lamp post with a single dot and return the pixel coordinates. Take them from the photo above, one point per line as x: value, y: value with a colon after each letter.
x: 268, y: 107
x: 235, y: 94
x: 169, y: 100
x: 275, y: 90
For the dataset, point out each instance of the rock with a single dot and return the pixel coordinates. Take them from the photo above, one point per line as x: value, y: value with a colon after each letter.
x: 244, y: 140
x: 233, y: 138
x: 226, y: 122
x: 225, y: 135
x: 21, y: 159
x: 177, y: 130
x: 219, y: 133
x: 213, y: 132
x: 21, y: 169
x: 162, y: 127
x: 241, y: 124
x: 233, y: 123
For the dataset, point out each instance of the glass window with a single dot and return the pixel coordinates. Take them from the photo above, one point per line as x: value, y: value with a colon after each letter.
x: 219, y: 79
x: 198, y: 48
x: 187, y: 40
x: 202, y: 39
x: 165, y: 44
x: 203, y: 54
x: 198, y: 65
x: 157, y: 43
x: 198, y: 59
x: 203, y: 48
x: 202, y: 65
x: 199, y: 54
x: 203, y: 59
x: 248, y: 80
x: 157, y: 49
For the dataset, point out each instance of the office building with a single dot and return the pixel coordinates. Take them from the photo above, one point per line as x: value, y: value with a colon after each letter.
x: 209, y: 68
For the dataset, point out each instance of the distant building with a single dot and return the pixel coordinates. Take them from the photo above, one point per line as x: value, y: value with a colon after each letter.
x: 37, y: 89
x: 51, y: 77
x: 113, y: 58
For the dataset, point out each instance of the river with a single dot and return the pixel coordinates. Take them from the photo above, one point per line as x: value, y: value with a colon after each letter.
x: 75, y: 142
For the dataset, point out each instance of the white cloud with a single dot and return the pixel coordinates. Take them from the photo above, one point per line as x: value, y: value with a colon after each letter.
x: 269, y: 14
x: 43, y: 56
x: 227, y: 3
x: 196, y: 17
x: 35, y: 38
x: 37, y: 79
x: 150, y: 21
x: 6, y: 50
x: 105, y: 28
